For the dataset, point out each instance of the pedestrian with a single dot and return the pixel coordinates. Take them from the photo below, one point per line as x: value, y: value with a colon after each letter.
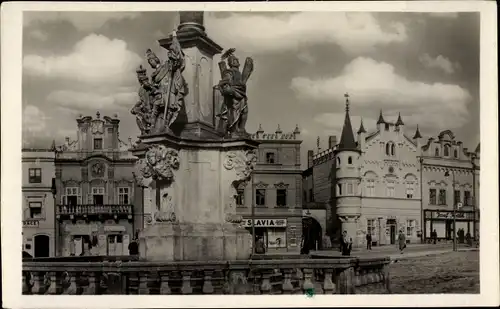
x: 260, y: 248
x: 346, y: 244
x: 368, y: 241
x: 133, y: 247
x: 468, y: 239
x: 401, y: 241
x: 327, y: 243
x: 434, y: 236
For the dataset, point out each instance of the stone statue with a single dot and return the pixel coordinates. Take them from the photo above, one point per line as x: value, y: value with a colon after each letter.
x: 234, y: 111
x: 166, y: 90
x: 158, y: 164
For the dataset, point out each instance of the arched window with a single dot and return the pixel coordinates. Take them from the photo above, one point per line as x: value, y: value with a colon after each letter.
x: 455, y: 153
x: 446, y: 150
x: 393, y: 149
x: 338, y: 161
x: 339, y: 189
x: 387, y: 146
x: 436, y: 152
x: 349, y: 160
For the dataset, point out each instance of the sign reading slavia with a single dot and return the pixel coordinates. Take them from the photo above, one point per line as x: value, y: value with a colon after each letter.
x: 265, y: 222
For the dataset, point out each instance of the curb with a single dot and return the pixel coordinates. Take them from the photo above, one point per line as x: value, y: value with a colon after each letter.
x: 396, y: 258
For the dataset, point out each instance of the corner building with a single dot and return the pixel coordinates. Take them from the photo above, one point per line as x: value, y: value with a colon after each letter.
x: 275, y: 192
x: 99, y: 206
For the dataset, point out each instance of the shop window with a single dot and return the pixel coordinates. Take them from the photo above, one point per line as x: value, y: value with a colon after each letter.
x: 240, y: 197
x: 123, y: 196
x: 281, y: 197
x: 370, y: 226
x: 35, y: 210
x: 260, y: 197
x: 456, y: 197
x: 115, y: 244
x: 349, y: 160
x: 467, y: 198
x: 270, y: 158
x: 97, y: 143
x: 442, y: 197
x: 432, y: 196
x: 98, y: 195
x: 370, y: 187
x: 410, y: 227
x: 35, y: 175
x: 276, y: 238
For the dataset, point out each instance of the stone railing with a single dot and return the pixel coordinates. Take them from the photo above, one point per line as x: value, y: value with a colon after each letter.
x: 284, y: 276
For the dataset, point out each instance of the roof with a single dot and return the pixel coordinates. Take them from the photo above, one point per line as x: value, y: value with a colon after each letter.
x: 361, y: 127
x: 347, y: 138
x: 380, y: 118
x: 399, y: 122
x: 417, y: 134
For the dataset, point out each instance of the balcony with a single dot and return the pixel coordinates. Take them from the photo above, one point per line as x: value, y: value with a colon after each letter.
x: 285, y: 276
x: 101, y: 211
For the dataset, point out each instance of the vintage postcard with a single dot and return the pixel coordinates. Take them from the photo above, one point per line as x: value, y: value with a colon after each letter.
x: 292, y: 153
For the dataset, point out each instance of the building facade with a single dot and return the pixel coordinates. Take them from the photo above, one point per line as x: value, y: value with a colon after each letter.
x: 99, y: 205
x: 381, y: 183
x: 451, y: 181
x: 38, y: 168
x: 275, y: 192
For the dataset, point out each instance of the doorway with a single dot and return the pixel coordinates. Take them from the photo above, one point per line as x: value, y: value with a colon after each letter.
x: 312, y: 233
x: 42, y: 246
x: 391, y: 223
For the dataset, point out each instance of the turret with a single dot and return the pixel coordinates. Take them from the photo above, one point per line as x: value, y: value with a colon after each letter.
x: 400, y: 125
x: 417, y: 140
x: 381, y: 123
x: 260, y: 131
x: 361, y: 136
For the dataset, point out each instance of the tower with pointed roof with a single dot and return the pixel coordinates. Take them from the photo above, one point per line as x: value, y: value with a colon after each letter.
x: 361, y: 136
x: 417, y: 139
x: 347, y: 202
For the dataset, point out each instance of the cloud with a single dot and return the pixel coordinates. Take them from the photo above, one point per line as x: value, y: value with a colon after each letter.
x: 306, y: 57
x: 375, y: 85
x: 85, y: 21
x: 335, y: 122
x: 353, y: 32
x: 440, y: 62
x: 38, y: 34
x: 95, y: 59
x: 77, y: 101
x: 34, y: 120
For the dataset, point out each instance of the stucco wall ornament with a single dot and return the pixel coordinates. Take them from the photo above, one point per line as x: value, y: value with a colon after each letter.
x: 166, y: 212
x: 158, y: 164
x: 243, y: 162
x: 98, y: 170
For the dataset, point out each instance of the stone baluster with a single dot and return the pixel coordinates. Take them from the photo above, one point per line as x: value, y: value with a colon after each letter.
x: 307, y: 284
x: 371, y: 277
x: 207, y: 282
x: 345, y: 282
x: 143, y: 284
x: 26, y: 283
x: 265, y: 285
x: 287, y: 286
x: 318, y: 281
x: 133, y: 285
x: 72, y: 288
x: 387, y: 278
x: 164, y: 287
x: 38, y: 283
x: 92, y: 288
x: 236, y: 282
x: 53, y: 283
x: 186, y: 283
x: 328, y: 285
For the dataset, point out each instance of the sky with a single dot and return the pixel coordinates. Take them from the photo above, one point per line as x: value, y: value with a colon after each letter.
x: 422, y: 65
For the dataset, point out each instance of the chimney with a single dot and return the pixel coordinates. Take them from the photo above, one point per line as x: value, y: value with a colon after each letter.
x: 332, y: 141
x: 310, y: 154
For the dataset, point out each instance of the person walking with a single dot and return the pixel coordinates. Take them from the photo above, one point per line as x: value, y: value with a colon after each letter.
x: 368, y: 241
x: 133, y: 247
x: 401, y: 241
x: 260, y: 248
x: 346, y: 244
x: 434, y: 236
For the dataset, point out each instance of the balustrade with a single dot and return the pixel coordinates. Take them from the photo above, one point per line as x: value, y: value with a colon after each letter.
x: 292, y: 276
x: 94, y: 209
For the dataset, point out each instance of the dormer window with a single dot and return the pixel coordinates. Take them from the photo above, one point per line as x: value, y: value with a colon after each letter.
x: 436, y: 152
x: 446, y: 150
x: 270, y: 158
x: 455, y: 153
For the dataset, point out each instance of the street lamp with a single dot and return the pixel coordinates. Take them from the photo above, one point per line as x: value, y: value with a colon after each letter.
x: 447, y: 174
x: 53, y: 190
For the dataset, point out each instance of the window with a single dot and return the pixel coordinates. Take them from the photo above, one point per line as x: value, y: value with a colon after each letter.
x: 370, y: 226
x: 390, y: 189
x: 240, y: 197
x: 349, y: 160
x: 393, y: 150
x: 35, y: 210
x: 370, y: 187
x: 311, y: 195
x: 456, y: 197
x: 35, y: 175
x: 442, y: 197
x: 455, y: 153
x: 281, y: 197
x: 98, y: 196
x: 123, y: 196
x: 338, y: 161
x: 304, y: 196
x: 350, y: 190
x: 387, y: 127
x: 72, y: 196
x: 387, y: 149
x: 432, y: 196
x: 467, y: 198
x: 410, y: 190
x: 260, y: 197
x: 97, y: 143
x: 446, y: 150
x: 410, y: 228
x: 270, y: 158
x: 436, y: 152
x: 339, y: 189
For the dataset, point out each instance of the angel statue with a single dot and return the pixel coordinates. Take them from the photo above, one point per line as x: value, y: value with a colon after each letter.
x: 168, y: 86
x: 234, y: 111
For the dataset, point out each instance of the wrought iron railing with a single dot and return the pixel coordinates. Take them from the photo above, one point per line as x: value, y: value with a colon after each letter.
x: 94, y: 209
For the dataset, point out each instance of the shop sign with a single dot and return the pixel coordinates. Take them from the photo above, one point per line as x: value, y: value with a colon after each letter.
x: 31, y: 223
x: 449, y: 215
x: 265, y: 222
x: 114, y: 228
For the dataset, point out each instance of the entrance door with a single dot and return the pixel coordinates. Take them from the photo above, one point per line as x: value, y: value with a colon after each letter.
x: 42, y: 246
x: 393, y: 234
